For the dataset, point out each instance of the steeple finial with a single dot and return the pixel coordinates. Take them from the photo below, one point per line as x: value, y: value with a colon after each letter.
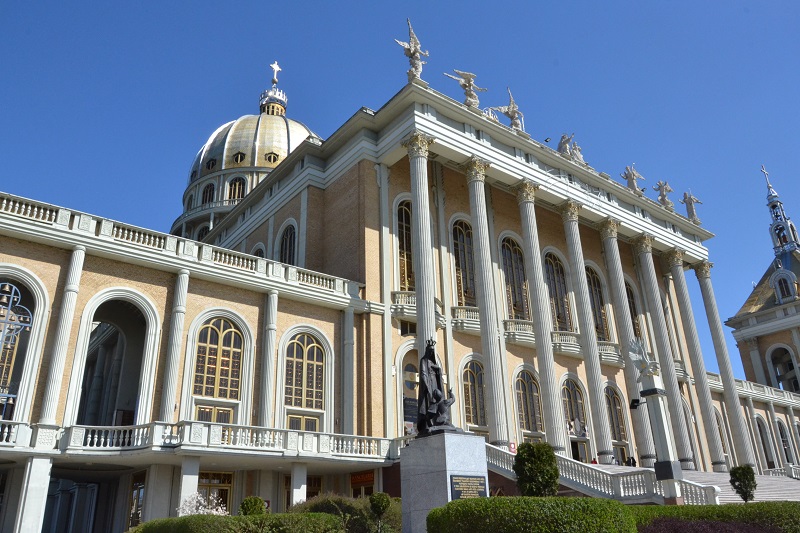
x: 273, y: 101
x: 275, y: 69
x: 766, y: 176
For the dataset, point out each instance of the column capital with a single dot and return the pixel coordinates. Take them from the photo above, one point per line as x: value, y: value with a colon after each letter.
x: 526, y: 192
x: 569, y: 210
x: 417, y: 144
x: 475, y: 167
x: 703, y: 269
x: 675, y: 257
x: 609, y: 228
x: 752, y: 342
x: 643, y: 244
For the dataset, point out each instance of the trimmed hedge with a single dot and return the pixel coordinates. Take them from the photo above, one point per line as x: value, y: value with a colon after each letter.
x: 267, y: 523
x: 785, y: 516
x: 525, y: 514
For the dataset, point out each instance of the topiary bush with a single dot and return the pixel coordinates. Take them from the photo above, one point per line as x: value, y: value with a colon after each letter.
x: 252, y: 505
x: 379, y: 503
x: 536, y: 469
x: 782, y: 516
x: 525, y: 514
x: 743, y: 480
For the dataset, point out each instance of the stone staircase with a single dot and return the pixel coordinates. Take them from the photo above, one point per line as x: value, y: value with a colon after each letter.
x: 770, y: 488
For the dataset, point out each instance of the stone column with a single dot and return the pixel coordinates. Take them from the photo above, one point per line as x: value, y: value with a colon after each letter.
x: 33, y: 498
x: 487, y: 304
x: 299, y: 482
x: 644, y: 251
x: 591, y: 353
x: 267, y: 359
x: 675, y: 261
x: 762, y: 453
x: 755, y: 358
x: 348, y: 369
x: 619, y: 298
x: 190, y: 475
x: 552, y: 406
x: 66, y: 315
x: 744, y: 452
x: 424, y: 275
x: 794, y: 436
x: 780, y: 461
x: 167, y: 411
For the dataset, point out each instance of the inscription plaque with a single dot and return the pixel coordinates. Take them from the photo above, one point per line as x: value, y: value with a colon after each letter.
x: 462, y: 487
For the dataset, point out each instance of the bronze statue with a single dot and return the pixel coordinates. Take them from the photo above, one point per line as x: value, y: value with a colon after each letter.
x: 433, y: 408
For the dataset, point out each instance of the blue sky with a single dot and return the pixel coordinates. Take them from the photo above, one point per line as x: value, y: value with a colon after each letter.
x: 105, y: 104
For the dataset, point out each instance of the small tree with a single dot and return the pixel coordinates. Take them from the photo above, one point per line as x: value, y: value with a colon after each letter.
x: 743, y: 480
x: 379, y: 502
x: 252, y: 505
x: 536, y: 469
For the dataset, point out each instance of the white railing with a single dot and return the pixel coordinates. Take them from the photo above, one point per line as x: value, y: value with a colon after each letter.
x: 139, y: 236
x: 518, y: 326
x: 608, y: 348
x: 697, y: 494
x: 500, y: 460
x: 565, y: 337
x: 10, y: 432
x: 109, y: 437
x: 234, y: 259
x: 25, y: 208
x: 774, y: 472
x: 404, y: 298
x: 465, y: 313
x: 306, y: 277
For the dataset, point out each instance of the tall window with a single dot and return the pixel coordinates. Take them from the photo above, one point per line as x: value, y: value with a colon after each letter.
x: 15, y: 325
x: 573, y: 408
x: 633, y: 311
x: 404, y: 246
x: 236, y: 189
x: 516, y: 286
x: 190, y: 202
x: 304, y: 386
x: 616, y: 416
x: 721, y: 430
x: 218, y: 365
x: 465, y: 264
x: 287, y: 246
x: 218, y: 485
x: 203, y: 232
x: 598, y: 304
x: 529, y: 407
x: 785, y: 443
x: 208, y: 194
x: 474, y: 401
x: 559, y: 297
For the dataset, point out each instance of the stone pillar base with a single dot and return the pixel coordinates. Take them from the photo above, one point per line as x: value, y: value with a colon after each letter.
x: 674, y: 501
x: 431, y: 466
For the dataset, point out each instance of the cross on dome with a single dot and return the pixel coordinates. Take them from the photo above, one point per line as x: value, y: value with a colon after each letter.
x: 275, y: 69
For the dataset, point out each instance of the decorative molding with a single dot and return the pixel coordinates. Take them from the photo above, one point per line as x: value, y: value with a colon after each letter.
x: 526, y: 192
x: 643, y: 244
x: 675, y: 257
x: 417, y: 144
x: 609, y: 229
x: 752, y: 342
x: 475, y: 168
x: 569, y: 210
x: 703, y: 269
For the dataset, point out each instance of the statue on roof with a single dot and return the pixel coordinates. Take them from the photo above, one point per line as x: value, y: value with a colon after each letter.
x: 632, y: 176
x: 563, y: 145
x: 691, y: 213
x: 575, y: 153
x: 414, y: 53
x: 512, y: 112
x: 638, y: 356
x: 467, y: 82
x: 663, y: 188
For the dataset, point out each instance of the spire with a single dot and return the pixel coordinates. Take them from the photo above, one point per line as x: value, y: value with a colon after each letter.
x: 273, y: 101
x: 782, y: 230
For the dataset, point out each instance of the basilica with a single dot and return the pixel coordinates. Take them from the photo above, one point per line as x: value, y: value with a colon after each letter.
x: 269, y: 344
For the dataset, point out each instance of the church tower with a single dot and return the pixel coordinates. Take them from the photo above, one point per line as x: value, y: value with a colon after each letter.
x: 782, y: 230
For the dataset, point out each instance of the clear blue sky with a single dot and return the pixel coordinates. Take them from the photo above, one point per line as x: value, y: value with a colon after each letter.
x: 103, y: 105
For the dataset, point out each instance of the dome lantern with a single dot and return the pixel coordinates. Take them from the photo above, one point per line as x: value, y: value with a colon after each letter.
x: 273, y: 100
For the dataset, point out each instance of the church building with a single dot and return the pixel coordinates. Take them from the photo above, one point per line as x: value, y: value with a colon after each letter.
x: 269, y: 344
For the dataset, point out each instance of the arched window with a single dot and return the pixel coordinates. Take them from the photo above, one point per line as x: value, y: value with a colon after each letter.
x: 474, y: 401
x: 616, y: 417
x: 405, y: 255
x: 529, y: 407
x: 465, y: 264
x: 783, y: 369
x: 190, y: 202
x: 516, y: 286
x: 598, y: 304
x: 201, y: 234
x: 765, y: 443
x: 409, y: 378
x: 574, y: 411
x: 633, y: 311
x: 15, y: 326
x: 304, y: 386
x: 788, y: 457
x: 559, y: 297
x: 217, y: 369
x: 783, y: 288
x: 721, y: 430
x: 236, y: 189
x: 258, y: 252
x: 208, y: 194
x: 287, y: 246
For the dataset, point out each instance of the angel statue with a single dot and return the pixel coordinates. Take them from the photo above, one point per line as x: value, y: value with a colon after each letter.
x: 575, y: 153
x: 638, y: 356
x: 663, y: 188
x: 414, y: 53
x: 689, y: 200
x: 512, y: 112
x: 632, y: 176
x: 467, y: 82
x: 563, y: 145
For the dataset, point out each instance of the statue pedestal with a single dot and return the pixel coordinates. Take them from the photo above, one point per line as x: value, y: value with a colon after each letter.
x: 437, y: 469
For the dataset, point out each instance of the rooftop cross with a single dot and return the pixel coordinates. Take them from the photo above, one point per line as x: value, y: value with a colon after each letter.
x: 766, y: 176
x: 275, y: 69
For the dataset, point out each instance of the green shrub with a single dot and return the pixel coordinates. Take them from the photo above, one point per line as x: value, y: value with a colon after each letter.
x: 252, y: 505
x: 785, y: 516
x: 536, y: 469
x: 355, y: 514
x: 525, y: 514
x: 743, y: 480
x: 266, y: 523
